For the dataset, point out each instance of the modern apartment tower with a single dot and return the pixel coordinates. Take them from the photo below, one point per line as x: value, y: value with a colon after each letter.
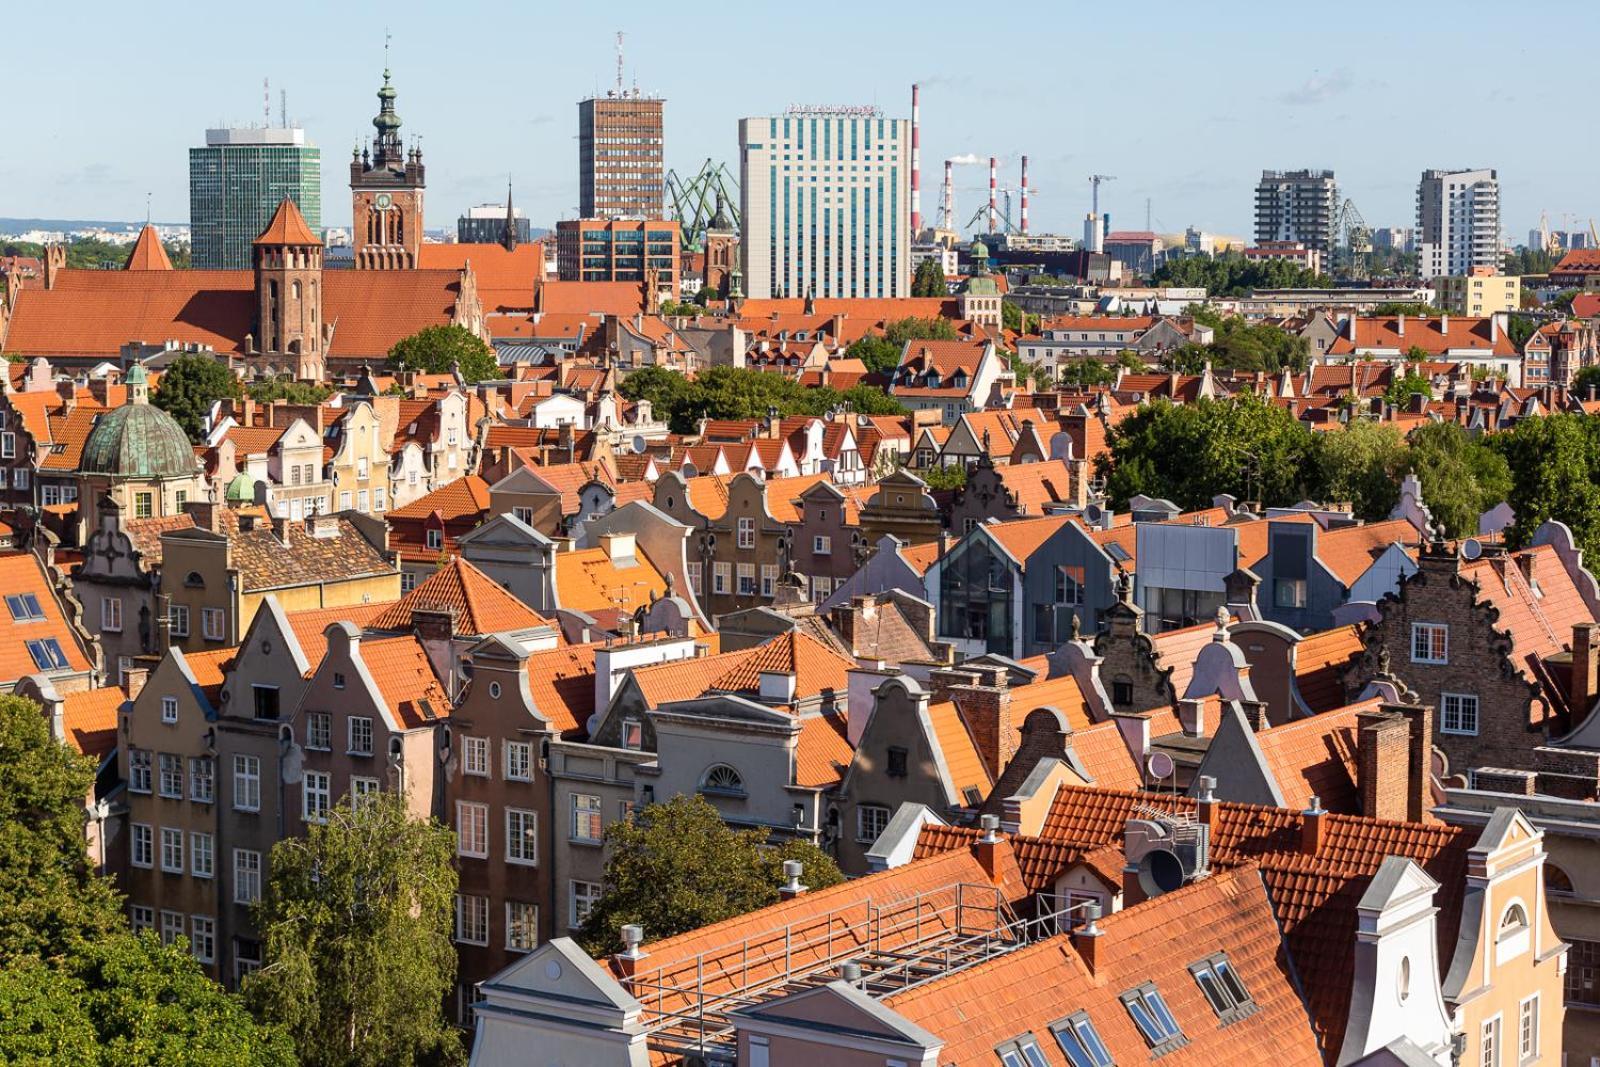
x: 1458, y: 222
x: 1297, y: 206
x: 620, y: 156
x: 826, y: 203
x: 236, y: 183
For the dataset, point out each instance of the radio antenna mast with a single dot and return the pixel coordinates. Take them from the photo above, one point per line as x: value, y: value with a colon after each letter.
x: 619, y: 63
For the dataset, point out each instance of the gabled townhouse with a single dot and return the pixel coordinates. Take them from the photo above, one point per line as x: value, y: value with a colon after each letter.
x: 825, y: 524
x: 167, y: 754
x: 423, y: 533
x: 357, y: 459
x: 949, y: 377
x: 983, y: 586
x: 900, y: 506
x: 1482, y: 343
x: 1016, y: 491
x: 1308, y: 573
x: 432, y: 443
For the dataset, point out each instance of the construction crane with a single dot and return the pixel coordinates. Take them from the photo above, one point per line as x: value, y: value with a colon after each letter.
x: 1353, y: 238
x: 1594, y: 238
x: 694, y: 202
x: 1003, y: 211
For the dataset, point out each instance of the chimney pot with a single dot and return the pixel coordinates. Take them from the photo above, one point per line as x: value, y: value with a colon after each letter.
x: 1311, y: 827
x: 1086, y: 938
x: 791, y: 888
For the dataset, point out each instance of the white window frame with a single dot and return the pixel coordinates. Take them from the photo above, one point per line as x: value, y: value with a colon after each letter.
x: 1439, y: 656
x: 769, y: 579
x: 316, y: 795
x: 519, y: 761
x: 522, y: 835
x: 139, y: 770
x: 202, y: 779
x: 585, y: 817
x: 1491, y: 1038
x: 202, y: 854
x: 1528, y: 1029
x: 213, y: 624
x: 172, y: 850
x: 588, y: 893
x: 142, y: 845
x: 358, y: 729
x: 111, y: 614
x: 472, y: 829
x: 529, y: 914
x: 178, y: 619
x: 433, y: 538
x: 246, y: 876
x: 1460, y: 701
x: 172, y: 927
x: 721, y: 574
x: 203, y: 937
x: 319, y: 731
x: 862, y: 815
x: 747, y: 580
x: 747, y: 533
x: 475, y: 756
x: 141, y: 917
x: 822, y: 545
x: 171, y: 775
x: 470, y: 909
x: 246, y: 783
x: 169, y: 710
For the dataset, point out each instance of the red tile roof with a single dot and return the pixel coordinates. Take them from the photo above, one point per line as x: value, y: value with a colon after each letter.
x: 1316, y: 757
x: 22, y: 574
x: 288, y: 227
x: 1320, y: 660
x: 561, y: 682
x: 406, y: 681
x: 473, y: 599
x: 822, y: 752
x: 90, y: 719
x: 147, y: 253
x: 461, y: 499
x: 1539, y: 621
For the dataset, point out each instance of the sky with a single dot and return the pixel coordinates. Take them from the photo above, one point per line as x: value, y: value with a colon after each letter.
x: 1185, y: 103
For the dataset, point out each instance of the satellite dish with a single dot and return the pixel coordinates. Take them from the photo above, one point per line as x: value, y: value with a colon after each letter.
x: 689, y: 471
x: 1160, y: 765
x: 638, y: 444
x: 1471, y: 548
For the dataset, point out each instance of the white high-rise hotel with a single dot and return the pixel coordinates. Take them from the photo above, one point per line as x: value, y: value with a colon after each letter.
x: 1458, y: 222
x: 826, y: 202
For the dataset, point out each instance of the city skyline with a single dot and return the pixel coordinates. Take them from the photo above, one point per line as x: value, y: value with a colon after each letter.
x: 1366, y: 104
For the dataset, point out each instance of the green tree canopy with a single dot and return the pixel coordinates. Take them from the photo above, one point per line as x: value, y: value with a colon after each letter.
x: 51, y: 902
x: 676, y: 866
x: 287, y: 389
x: 1586, y: 379
x: 929, y: 279
x: 879, y: 354
x: 439, y: 349
x: 952, y: 477
x: 882, y: 354
x: 1087, y: 373
x: 1554, y: 465
x: 1243, y: 346
x: 1233, y: 275
x: 1013, y: 318
x: 357, y: 918
x: 1399, y: 392
x: 190, y: 385
x: 743, y: 393
x: 1401, y: 307
x: 128, y: 1000
x: 1190, y: 453
x: 1461, y: 477
x: 1361, y: 463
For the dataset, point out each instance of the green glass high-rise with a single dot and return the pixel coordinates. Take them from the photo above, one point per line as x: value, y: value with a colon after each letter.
x: 238, y: 180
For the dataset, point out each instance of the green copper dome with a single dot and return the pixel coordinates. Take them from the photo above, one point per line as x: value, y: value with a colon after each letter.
x: 138, y: 440
x: 242, y: 490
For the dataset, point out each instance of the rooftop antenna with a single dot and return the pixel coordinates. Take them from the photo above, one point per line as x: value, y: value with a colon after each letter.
x: 386, y: 38
x: 266, y: 103
x: 619, y: 63
x: 283, y: 107
x: 147, y: 209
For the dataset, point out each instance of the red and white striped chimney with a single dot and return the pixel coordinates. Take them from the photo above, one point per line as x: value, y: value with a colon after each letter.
x: 993, y: 165
x: 949, y: 220
x: 1024, y: 194
x: 916, y: 161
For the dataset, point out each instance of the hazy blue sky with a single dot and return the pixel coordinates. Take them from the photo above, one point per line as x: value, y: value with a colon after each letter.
x: 1184, y: 102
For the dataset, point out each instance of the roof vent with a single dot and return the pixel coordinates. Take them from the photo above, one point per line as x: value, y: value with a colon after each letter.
x: 632, y: 938
x: 1169, y: 851
x: 991, y: 826
x: 850, y: 973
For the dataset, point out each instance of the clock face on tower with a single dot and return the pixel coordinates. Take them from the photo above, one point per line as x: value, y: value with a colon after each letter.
x: 383, y: 201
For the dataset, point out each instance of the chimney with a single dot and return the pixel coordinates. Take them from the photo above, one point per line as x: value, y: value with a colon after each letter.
x: 791, y: 886
x: 1205, y: 808
x: 777, y: 687
x: 1582, y: 683
x: 986, y: 708
x: 1419, y: 769
x: 1132, y: 888
x: 1192, y: 717
x: 1383, y: 743
x: 1311, y: 827
x: 133, y: 679
x: 1086, y: 937
x: 280, y: 529
x: 632, y: 953
x: 987, y: 847
x: 1525, y: 561
x: 620, y: 547
x: 1400, y: 324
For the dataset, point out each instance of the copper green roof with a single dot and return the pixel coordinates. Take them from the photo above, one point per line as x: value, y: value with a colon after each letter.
x: 138, y: 441
x: 242, y: 488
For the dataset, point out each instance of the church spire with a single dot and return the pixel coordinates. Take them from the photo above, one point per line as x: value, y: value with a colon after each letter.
x: 386, y: 146
x: 508, y: 233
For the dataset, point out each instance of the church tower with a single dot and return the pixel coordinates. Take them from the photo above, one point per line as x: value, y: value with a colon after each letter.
x: 386, y: 184
x: 288, y: 265
x: 722, y: 250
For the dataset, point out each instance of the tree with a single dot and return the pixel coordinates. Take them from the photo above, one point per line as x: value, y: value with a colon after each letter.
x: 1399, y: 392
x: 1244, y: 346
x: 1190, y: 453
x: 707, y: 294
x: 51, y: 901
x: 882, y: 354
x: 929, y: 279
x: 952, y: 477
x: 191, y: 384
x: 357, y: 918
x: 677, y: 866
x: 440, y: 349
x: 287, y: 389
x: 1586, y: 379
x: 129, y: 1000
x: 1361, y: 463
x: 1461, y: 477
x: 1087, y: 373
x: 1233, y: 275
x: 1409, y: 309
x: 869, y: 400
x: 1554, y: 467
x: 878, y: 354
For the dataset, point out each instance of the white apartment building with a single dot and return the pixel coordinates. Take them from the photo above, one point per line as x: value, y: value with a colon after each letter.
x: 826, y: 198
x: 1297, y: 206
x: 1458, y: 222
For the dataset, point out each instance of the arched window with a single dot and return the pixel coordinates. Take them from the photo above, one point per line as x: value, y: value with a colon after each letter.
x: 1557, y: 883
x: 294, y: 289
x: 722, y: 779
x: 194, y: 581
x: 1515, y: 920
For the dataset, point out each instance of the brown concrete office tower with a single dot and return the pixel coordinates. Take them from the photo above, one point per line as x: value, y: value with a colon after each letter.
x: 386, y: 184
x: 620, y: 152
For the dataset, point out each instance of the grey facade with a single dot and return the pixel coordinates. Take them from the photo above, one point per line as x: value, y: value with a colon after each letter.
x: 1297, y: 205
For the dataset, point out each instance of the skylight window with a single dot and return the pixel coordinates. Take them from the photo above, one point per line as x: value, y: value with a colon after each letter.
x: 1223, y: 989
x: 47, y: 654
x: 1152, y: 1017
x: 1081, y: 1042
x: 1023, y: 1051
x: 24, y: 607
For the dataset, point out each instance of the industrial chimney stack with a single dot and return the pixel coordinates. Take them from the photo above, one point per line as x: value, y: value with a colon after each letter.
x: 916, y: 162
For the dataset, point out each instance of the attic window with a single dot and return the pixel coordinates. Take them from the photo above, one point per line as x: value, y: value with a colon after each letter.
x: 24, y: 607
x: 1153, y: 1018
x: 47, y: 654
x: 723, y: 780
x: 1023, y: 1051
x: 1222, y: 987
x: 1081, y: 1042
x: 194, y: 581
x: 972, y: 795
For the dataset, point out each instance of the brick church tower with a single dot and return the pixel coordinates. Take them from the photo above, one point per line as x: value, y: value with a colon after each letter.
x: 386, y: 184
x: 722, y: 251
x: 289, y: 329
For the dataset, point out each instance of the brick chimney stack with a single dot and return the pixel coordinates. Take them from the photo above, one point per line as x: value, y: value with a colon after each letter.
x: 1312, y: 828
x: 987, y: 847
x: 1383, y: 758
x: 1585, y: 656
x: 1086, y: 938
x: 986, y: 708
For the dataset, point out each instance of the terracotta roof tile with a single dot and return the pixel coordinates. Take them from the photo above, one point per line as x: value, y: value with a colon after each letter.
x: 147, y: 253
x: 412, y: 693
x: 21, y: 574
x: 822, y: 751
x: 1104, y: 754
x: 463, y: 498
x: 816, y: 667
x: 1319, y: 663
x: 473, y: 599
x: 588, y: 580
x: 1351, y: 550
x: 961, y: 756
x: 1022, y: 537
x: 90, y: 719
x: 288, y: 227
x: 1539, y: 621
x: 310, y: 626
x: 1316, y: 757
x: 561, y: 681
